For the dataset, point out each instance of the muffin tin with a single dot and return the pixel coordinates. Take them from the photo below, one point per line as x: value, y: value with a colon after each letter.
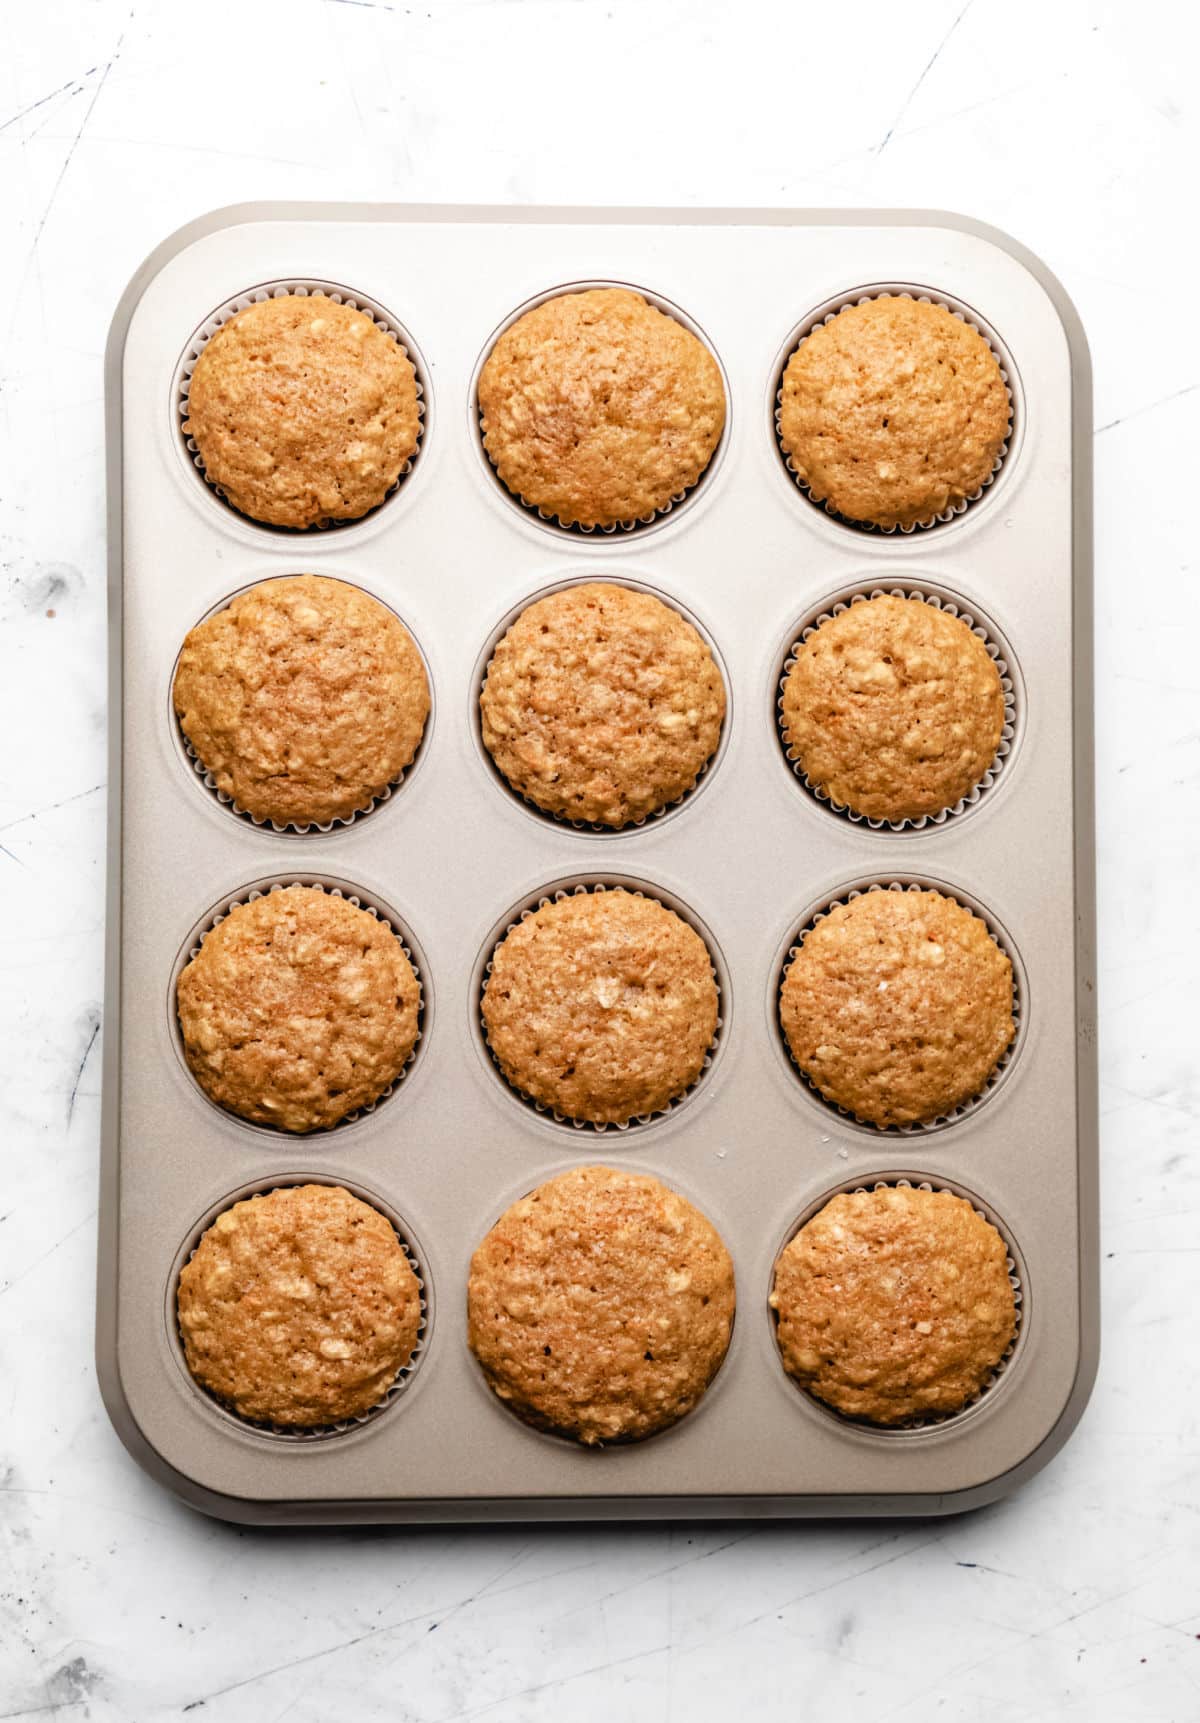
x: 452, y: 854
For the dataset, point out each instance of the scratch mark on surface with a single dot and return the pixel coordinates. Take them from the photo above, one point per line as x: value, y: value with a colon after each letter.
x: 1150, y: 407
x: 65, y: 1239
x: 558, y: 1681
x: 659, y: 1573
x: 14, y: 119
x: 358, y: 1639
x: 91, y: 1042
x: 75, y: 142
x: 830, y: 1585
x: 50, y: 807
x: 933, y: 60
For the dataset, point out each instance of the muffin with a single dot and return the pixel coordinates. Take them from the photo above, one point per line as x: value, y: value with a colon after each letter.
x: 894, y: 411
x: 894, y: 1304
x: 597, y: 408
x: 898, y: 1006
x: 303, y: 700
x: 297, y: 1009
x: 601, y: 1006
x: 600, y: 1306
x: 893, y: 708
x: 303, y: 411
x: 299, y: 1308
x: 602, y: 704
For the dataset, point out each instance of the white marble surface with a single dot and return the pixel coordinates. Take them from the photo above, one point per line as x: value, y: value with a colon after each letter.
x: 1071, y: 126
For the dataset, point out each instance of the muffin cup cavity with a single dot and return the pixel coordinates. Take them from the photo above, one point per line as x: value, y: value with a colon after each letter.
x: 619, y: 531
x: 825, y: 313
x: 195, y: 767
x: 575, y: 886
x: 1020, y: 1005
x: 1001, y: 654
x: 561, y: 822
x: 317, y: 1432
x: 281, y: 289
x: 926, y: 1423
x: 360, y: 899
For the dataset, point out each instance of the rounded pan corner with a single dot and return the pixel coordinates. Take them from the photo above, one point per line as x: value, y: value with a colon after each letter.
x: 1047, y: 280
x: 215, y: 1504
x: 1004, y: 1483
x: 152, y: 265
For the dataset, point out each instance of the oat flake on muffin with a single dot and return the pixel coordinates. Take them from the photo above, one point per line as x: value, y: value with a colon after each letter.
x: 893, y: 708
x: 601, y: 1006
x: 298, y: 1009
x: 893, y: 412
x: 299, y: 1308
x: 894, y: 1304
x: 602, y: 704
x: 598, y: 409
x: 303, y: 699
x: 601, y: 1305
x: 898, y: 1006
x: 303, y: 411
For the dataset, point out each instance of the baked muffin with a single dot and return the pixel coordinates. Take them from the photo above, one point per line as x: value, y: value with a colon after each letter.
x: 894, y: 1304
x: 894, y: 411
x: 597, y: 408
x: 898, y: 1006
x: 303, y: 411
x: 601, y: 1006
x: 600, y: 1306
x: 299, y: 1308
x: 303, y: 700
x: 893, y: 708
x: 602, y: 704
x: 297, y: 1009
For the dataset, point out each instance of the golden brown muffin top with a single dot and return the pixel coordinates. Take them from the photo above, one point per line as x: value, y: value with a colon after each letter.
x: 299, y: 1308
x: 894, y: 1304
x: 601, y: 1006
x: 303, y: 411
x: 601, y: 1305
x: 602, y: 704
x: 894, y: 708
x: 894, y: 411
x: 303, y: 699
x: 598, y: 408
x: 298, y: 1009
x: 898, y: 1006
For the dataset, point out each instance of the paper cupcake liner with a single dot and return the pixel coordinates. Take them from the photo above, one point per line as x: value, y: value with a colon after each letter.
x: 299, y: 286
x: 596, y: 828
x: 295, y: 828
x: 923, y: 296
x: 965, y: 1109
x: 616, y: 529
x: 360, y: 900
x: 310, y: 1432
x: 998, y: 651
x: 928, y: 1420
x: 556, y: 894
